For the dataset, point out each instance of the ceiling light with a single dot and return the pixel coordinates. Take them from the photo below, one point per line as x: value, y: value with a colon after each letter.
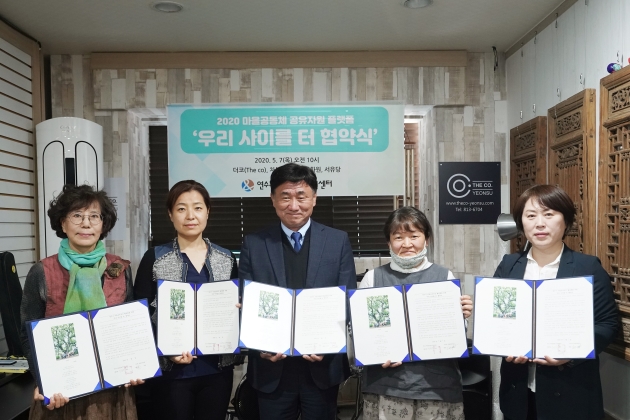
x: 416, y: 4
x: 167, y: 6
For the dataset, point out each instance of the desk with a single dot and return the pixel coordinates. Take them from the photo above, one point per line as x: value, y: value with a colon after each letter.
x: 16, y: 395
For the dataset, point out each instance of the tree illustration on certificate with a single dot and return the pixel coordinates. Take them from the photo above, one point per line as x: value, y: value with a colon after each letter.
x: 378, y: 311
x: 268, y: 303
x: 64, y: 341
x: 178, y: 304
x: 504, y: 302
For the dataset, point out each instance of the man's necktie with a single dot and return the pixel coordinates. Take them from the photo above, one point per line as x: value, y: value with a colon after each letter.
x: 296, y: 236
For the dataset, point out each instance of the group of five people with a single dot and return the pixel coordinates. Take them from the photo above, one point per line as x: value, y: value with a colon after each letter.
x: 301, y: 253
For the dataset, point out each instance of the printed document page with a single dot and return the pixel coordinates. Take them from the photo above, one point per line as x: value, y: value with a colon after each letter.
x: 320, y: 321
x: 65, y: 355
x: 176, y: 317
x: 503, y: 317
x: 217, y: 317
x: 564, y: 318
x: 266, y: 318
x: 125, y: 343
x: 436, y: 322
x: 379, y: 325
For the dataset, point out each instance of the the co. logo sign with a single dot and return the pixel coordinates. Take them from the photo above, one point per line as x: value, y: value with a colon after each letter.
x: 458, y: 185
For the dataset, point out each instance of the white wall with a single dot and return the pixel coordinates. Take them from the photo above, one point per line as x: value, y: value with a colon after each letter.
x: 586, y: 40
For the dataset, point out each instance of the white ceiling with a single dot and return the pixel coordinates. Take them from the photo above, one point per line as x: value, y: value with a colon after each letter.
x: 84, y: 26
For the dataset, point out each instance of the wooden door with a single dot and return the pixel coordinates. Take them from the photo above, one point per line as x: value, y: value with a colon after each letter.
x: 614, y: 191
x: 571, y: 153
x: 528, y: 158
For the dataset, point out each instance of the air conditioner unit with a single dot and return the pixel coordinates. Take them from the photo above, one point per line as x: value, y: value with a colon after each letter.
x: 69, y: 151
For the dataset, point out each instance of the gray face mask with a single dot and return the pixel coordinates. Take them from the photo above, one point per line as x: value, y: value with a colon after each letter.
x: 409, y: 262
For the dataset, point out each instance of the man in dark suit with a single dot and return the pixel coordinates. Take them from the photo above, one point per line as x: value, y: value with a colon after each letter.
x: 297, y: 253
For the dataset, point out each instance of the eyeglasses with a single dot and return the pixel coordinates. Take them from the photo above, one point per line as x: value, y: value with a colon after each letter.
x: 94, y: 218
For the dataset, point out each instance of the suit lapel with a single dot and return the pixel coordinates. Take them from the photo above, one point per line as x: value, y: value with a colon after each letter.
x: 318, y: 240
x: 518, y: 269
x: 566, y: 268
x: 276, y: 255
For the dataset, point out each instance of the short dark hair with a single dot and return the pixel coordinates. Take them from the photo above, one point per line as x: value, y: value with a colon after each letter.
x: 547, y: 196
x: 405, y: 218
x: 76, y: 197
x: 292, y: 172
x: 183, y: 187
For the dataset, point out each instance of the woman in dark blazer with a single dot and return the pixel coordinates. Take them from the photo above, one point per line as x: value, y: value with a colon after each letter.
x: 550, y: 389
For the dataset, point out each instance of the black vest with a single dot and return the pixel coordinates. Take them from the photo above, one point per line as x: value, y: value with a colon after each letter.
x: 296, y: 263
x: 295, y: 268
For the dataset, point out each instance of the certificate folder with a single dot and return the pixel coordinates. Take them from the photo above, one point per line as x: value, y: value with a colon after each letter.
x: 408, y: 323
x: 201, y: 318
x: 534, y: 318
x: 293, y: 322
x: 85, y: 352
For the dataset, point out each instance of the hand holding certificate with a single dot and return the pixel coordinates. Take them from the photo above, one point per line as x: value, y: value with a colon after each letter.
x: 84, y: 352
x: 293, y: 322
x: 379, y: 327
x: 534, y: 318
x: 407, y: 323
x: 197, y: 318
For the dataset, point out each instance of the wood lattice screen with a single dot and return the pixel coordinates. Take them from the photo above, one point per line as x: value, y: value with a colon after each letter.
x: 528, y: 158
x: 571, y: 153
x: 614, y: 193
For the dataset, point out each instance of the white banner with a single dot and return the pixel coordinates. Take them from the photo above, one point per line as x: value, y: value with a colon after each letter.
x: 354, y: 149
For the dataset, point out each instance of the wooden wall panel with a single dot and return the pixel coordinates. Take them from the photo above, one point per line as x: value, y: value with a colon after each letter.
x: 114, y: 89
x: 614, y: 190
x: 528, y: 161
x: 268, y: 59
x: 571, y: 152
x: 470, y: 124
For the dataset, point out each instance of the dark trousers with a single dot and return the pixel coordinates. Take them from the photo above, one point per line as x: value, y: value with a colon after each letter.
x: 203, y: 397
x: 531, y: 406
x: 297, y: 393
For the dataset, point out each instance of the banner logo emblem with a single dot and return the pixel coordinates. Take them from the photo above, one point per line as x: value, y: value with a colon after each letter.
x: 458, y: 185
x: 247, y: 185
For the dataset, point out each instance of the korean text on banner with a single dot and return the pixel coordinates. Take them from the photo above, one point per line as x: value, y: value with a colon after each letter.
x: 232, y: 150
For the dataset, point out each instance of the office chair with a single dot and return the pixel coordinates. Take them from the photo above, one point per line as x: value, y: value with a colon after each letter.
x: 477, y: 387
x: 244, y: 403
x: 353, y: 381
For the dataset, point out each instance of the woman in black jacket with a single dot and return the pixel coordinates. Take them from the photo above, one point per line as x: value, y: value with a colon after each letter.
x: 553, y: 389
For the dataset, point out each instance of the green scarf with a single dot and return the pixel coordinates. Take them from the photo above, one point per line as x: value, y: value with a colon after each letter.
x: 84, y: 290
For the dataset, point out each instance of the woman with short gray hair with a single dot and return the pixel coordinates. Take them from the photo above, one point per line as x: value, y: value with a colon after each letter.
x: 426, y: 389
